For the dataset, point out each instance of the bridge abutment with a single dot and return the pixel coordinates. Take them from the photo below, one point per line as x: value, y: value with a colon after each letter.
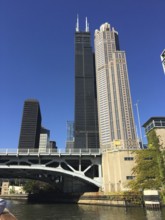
x: 117, y: 169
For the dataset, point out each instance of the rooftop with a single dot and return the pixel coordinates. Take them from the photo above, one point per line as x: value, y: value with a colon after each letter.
x: 155, y: 118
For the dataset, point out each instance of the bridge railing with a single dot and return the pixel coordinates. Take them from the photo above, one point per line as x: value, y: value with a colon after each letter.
x: 49, y: 151
x: 14, y: 151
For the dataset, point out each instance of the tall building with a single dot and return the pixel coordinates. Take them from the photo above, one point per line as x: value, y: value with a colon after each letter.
x: 162, y: 57
x: 86, y: 123
x: 44, y: 139
x: 31, y: 125
x: 116, y: 122
x: 70, y: 135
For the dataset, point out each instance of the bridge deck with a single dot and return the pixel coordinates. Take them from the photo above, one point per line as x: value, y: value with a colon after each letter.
x: 50, y: 152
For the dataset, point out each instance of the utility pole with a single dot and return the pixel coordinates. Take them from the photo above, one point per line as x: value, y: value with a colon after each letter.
x: 140, y: 130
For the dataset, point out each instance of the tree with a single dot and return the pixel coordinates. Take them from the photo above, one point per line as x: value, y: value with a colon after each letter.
x: 35, y: 186
x: 149, y: 169
x: 153, y: 142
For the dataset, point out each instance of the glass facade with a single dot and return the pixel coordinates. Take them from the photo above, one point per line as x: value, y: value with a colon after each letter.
x: 86, y: 123
x: 70, y: 130
x: 31, y: 125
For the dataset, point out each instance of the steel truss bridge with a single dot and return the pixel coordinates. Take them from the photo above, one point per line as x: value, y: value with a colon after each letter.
x: 52, y: 165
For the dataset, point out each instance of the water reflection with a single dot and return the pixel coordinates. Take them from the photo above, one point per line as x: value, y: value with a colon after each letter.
x: 152, y: 214
x: 25, y: 211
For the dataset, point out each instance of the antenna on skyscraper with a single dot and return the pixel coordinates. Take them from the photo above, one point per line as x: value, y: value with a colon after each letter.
x: 77, y: 24
x: 138, y: 115
x: 86, y: 25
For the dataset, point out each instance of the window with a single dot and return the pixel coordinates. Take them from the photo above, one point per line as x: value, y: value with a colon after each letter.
x: 128, y: 158
x: 148, y: 158
x: 130, y: 177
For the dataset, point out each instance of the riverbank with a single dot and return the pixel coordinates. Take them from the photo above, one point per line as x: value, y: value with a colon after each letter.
x: 15, y: 197
x: 93, y: 198
x: 89, y: 198
x: 110, y: 199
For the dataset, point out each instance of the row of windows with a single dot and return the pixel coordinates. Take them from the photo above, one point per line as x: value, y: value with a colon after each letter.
x: 128, y: 158
x: 155, y: 123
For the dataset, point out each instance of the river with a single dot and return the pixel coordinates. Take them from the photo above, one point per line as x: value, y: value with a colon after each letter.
x: 27, y: 211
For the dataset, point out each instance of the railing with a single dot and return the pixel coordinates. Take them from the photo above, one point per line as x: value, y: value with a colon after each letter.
x: 13, y: 151
x: 83, y: 151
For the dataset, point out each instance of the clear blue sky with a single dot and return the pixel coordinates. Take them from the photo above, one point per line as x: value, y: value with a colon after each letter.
x: 37, y: 57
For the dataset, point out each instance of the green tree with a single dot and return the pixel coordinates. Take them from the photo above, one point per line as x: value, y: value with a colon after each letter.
x: 154, y: 143
x: 149, y: 169
x: 35, y: 186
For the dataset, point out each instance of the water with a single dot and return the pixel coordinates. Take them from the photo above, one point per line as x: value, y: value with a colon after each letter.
x: 25, y: 211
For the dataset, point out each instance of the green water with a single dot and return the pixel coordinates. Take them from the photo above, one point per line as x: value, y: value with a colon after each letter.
x: 26, y: 211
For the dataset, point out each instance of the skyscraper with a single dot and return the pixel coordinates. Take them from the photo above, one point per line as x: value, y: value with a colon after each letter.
x: 116, y: 122
x: 31, y: 125
x: 44, y: 139
x: 86, y: 123
x: 70, y: 135
x: 162, y: 57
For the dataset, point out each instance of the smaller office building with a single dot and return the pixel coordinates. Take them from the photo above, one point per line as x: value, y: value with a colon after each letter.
x: 31, y: 125
x: 70, y: 135
x: 158, y: 124
x: 5, y: 188
x: 117, y: 169
x: 33, y: 135
x: 44, y: 140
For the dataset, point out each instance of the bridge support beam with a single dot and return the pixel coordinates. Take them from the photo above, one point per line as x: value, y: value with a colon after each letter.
x: 82, y: 169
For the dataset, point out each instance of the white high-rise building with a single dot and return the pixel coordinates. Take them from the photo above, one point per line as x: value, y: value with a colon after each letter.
x: 116, y: 121
x: 44, y: 140
x: 162, y: 57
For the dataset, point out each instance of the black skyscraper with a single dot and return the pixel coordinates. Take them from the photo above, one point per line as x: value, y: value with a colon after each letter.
x: 86, y: 123
x: 31, y: 125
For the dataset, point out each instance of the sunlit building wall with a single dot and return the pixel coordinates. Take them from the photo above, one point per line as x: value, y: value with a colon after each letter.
x: 158, y: 125
x: 116, y: 121
x: 44, y: 140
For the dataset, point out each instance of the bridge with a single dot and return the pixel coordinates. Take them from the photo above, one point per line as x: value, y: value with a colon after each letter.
x: 83, y: 166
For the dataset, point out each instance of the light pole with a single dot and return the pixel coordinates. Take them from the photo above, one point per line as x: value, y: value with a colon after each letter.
x: 140, y: 130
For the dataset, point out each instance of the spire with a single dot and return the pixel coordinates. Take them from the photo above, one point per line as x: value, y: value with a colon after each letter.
x: 86, y: 25
x: 77, y: 24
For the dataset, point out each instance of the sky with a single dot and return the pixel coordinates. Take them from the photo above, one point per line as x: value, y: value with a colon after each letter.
x: 37, y: 58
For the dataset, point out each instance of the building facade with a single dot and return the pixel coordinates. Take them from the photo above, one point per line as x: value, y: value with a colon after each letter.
x: 44, y: 140
x: 5, y: 188
x: 162, y: 57
x: 115, y: 115
x: 86, y: 122
x: 158, y: 124
x: 70, y: 135
x: 31, y: 125
x: 117, y: 168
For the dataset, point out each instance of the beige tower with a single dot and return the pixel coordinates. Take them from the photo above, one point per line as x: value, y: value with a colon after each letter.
x: 116, y: 122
